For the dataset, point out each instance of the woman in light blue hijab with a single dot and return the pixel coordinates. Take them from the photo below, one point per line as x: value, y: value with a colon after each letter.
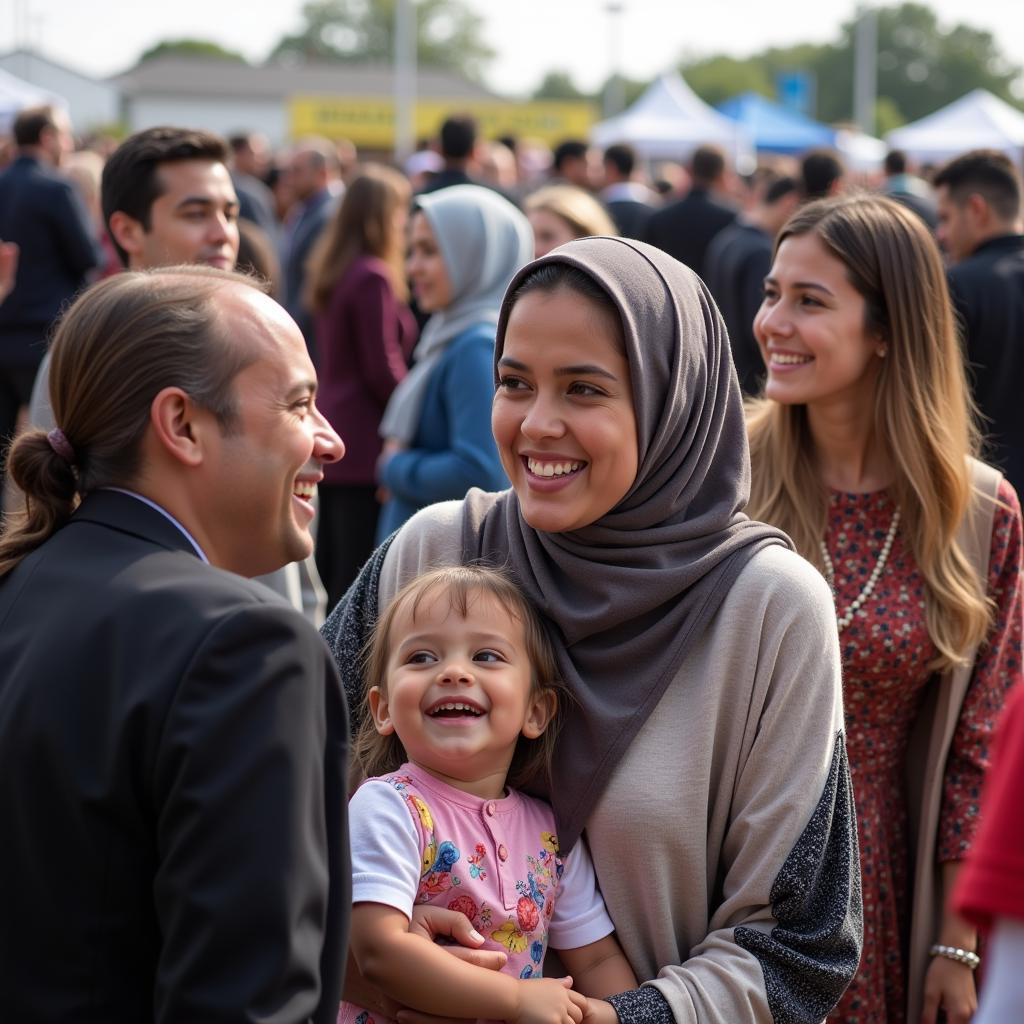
x: 466, y: 242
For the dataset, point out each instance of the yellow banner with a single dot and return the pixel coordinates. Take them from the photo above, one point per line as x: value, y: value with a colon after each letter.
x: 370, y: 122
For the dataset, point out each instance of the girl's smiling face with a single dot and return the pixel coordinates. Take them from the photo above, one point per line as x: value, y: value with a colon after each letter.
x: 563, y: 414
x: 459, y: 690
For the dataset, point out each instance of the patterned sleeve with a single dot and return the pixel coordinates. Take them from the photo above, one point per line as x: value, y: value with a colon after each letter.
x: 996, y: 670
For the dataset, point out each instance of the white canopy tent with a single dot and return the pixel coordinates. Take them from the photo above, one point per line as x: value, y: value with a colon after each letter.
x: 978, y: 120
x: 860, y: 152
x: 16, y: 94
x: 669, y: 121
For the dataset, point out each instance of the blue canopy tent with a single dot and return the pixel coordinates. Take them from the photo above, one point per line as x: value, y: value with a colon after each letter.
x: 774, y: 129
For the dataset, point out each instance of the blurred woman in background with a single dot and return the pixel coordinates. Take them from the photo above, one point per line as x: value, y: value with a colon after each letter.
x: 560, y: 213
x: 364, y: 336
x: 465, y: 243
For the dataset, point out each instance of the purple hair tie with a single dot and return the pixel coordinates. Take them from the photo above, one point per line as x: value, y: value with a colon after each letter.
x: 61, y: 445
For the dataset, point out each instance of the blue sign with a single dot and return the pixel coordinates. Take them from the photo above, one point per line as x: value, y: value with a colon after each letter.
x: 796, y: 91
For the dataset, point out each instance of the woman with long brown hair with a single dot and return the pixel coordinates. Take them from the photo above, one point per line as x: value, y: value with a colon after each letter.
x: 864, y: 451
x: 364, y: 336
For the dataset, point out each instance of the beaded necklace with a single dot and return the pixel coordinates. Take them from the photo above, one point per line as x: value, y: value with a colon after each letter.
x: 883, y: 556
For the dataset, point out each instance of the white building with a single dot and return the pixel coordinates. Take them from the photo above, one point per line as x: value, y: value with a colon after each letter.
x: 225, y: 97
x: 91, y: 102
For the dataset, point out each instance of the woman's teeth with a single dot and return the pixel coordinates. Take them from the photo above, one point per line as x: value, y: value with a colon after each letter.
x: 552, y: 468
x: 789, y: 360
x: 306, y: 491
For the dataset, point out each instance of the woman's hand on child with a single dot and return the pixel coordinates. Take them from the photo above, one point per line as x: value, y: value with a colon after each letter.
x: 435, y: 922
x: 549, y: 1001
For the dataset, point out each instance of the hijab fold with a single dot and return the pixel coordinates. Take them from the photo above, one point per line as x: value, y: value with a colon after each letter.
x: 483, y: 241
x: 628, y: 596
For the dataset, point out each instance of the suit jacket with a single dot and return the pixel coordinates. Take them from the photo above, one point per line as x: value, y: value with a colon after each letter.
x: 631, y: 217
x: 172, y: 792
x: 41, y: 211
x: 736, y: 264
x: 255, y: 202
x: 300, y: 236
x: 988, y: 291
x: 685, y: 228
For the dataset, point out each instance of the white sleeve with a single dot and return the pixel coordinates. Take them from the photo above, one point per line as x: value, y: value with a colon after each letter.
x: 385, y: 847
x: 580, y: 916
x: 1002, y: 995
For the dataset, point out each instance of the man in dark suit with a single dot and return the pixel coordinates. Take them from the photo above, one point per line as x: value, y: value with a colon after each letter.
x: 41, y: 213
x: 248, y: 162
x: 629, y: 202
x: 313, y: 178
x: 979, y: 207
x: 172, y: 735
x: 685, y: 228
x: 736, y: 265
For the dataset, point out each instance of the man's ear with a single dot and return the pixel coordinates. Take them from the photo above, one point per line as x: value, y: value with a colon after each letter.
x: 380, y: 711
x: 978, y: 210
x: 539, y: 712
x: 180, y: 426
x: 127, y: 232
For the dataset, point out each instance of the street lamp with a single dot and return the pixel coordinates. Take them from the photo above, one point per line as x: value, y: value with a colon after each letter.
x: 614, y: 94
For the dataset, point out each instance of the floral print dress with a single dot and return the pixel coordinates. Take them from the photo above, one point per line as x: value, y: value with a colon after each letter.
x: 886, y: 651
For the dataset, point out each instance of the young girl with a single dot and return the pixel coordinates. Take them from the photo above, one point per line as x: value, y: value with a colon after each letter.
x: 461, y: 691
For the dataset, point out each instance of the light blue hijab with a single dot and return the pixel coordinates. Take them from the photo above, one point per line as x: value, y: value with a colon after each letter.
x: 483, y: 240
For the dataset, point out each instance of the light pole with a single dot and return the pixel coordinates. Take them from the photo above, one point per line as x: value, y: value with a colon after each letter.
x: 404, y: 75
x: 865, y: 71
x: 614, y: 94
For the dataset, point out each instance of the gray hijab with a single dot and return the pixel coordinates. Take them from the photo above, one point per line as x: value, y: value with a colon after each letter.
x: 483, y: 240
x: 629, y: 595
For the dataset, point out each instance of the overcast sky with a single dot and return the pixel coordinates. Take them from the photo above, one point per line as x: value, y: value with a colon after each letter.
x: 531, y: 36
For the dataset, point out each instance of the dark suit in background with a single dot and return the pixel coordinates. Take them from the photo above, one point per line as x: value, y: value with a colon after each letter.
x: 737, y: 262
x: 172, y: 786
x: 255, y: 202
x: 630, y: 205
x: 300, y: 235
x: 41, y: 211
x: 685, y: 228
x: 988, y: 292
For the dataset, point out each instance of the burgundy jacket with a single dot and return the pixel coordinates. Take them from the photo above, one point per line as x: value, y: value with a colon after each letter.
x: 363, y: 341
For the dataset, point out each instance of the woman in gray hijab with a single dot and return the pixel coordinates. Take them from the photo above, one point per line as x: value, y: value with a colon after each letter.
x: 466, y: 242
x: 702, y: 757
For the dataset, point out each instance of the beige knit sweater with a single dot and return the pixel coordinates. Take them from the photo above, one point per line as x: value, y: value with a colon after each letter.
x: 724, y: 843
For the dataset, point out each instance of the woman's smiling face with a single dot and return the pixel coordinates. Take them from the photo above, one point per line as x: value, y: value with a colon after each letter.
x: 563, y: 414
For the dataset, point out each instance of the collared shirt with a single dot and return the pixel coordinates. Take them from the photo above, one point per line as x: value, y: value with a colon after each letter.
x: 167, y: 515
x: 629, y: 191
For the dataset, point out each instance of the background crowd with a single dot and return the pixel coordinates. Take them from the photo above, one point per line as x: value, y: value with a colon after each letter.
x: 874, y: 322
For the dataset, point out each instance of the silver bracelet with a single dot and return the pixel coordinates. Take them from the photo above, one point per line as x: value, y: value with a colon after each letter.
x: 961, y: 956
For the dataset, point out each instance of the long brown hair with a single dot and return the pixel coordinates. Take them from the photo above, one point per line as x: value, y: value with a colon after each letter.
x: 121, y: 343
x: 363, y: 226
x: 380, y: 755
x: 923, y: 413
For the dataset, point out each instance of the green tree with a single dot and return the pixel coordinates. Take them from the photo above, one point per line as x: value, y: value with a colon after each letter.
x: 448, y: 34
x: 558, y: 85
x: 191, y: 48
x: 716, y: 79
x: 921, y: 66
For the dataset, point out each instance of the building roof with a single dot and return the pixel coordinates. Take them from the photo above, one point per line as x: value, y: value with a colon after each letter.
x: 203, y: 76
x: 33, y: 57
